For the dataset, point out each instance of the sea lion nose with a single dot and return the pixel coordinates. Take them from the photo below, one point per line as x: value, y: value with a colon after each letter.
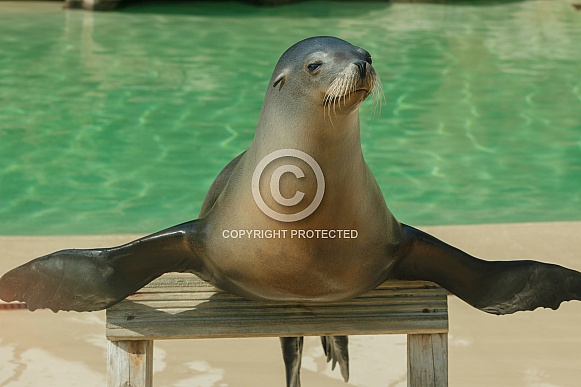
x: 362, y: 66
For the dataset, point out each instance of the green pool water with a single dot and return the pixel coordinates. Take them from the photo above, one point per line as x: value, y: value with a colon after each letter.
x: 118, y: 122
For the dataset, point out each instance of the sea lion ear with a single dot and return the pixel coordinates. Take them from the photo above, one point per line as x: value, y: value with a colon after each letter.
x: 279, y: 81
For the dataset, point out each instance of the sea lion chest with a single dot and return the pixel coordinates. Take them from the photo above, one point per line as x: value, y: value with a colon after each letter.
x: 335, y: 252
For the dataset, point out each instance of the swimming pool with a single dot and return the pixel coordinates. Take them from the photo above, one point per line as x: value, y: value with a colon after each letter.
x: 118, y: 122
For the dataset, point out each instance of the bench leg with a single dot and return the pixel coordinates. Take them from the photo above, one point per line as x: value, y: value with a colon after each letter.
x: 428, y: 360
x: 130, y: 363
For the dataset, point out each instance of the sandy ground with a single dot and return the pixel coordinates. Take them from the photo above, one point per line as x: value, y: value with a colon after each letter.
x: 539, y: 348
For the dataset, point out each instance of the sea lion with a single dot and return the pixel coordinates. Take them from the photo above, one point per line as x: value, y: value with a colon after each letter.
x: 297, y: 217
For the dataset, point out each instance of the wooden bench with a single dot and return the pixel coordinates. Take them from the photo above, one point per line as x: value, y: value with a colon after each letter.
x: 184, y: 307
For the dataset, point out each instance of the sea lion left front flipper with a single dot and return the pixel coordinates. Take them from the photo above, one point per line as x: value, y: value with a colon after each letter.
x: 498, y: 287
x: 93, y: 279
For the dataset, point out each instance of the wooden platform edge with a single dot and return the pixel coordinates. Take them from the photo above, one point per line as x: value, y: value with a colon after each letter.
x: 184, y: 307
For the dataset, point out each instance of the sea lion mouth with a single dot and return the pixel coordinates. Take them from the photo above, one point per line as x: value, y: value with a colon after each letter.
x: 344, y: 99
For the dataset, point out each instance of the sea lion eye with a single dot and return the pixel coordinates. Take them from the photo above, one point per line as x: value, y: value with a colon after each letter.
x: 312, y: 67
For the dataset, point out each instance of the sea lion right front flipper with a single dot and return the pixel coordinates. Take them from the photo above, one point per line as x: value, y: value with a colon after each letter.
x: 337, y: 351
x: 93, y: 279
x: 498, y: 287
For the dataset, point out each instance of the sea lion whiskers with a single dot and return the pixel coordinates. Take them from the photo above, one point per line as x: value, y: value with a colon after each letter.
x: 377, y: 95
x: 347, y: 83
x: 339, y: 90
x: 351, y: 86
x: 345, y: 87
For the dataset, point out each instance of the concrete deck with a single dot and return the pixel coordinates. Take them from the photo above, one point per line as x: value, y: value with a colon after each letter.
x: 539, y: 348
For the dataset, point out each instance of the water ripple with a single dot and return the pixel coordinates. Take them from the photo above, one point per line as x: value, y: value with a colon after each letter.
x: 114, y: 122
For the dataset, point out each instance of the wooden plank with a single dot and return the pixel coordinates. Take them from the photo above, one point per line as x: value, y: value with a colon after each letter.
x: 428, y: 360
x: 186, y: 307
x: 130, y: 363
x: 242, y: 309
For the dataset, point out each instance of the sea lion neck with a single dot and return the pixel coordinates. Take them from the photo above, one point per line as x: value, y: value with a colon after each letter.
x: 323, y: 137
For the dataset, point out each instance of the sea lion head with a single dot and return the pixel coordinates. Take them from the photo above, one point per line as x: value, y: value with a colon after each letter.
x: 324, y: 71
